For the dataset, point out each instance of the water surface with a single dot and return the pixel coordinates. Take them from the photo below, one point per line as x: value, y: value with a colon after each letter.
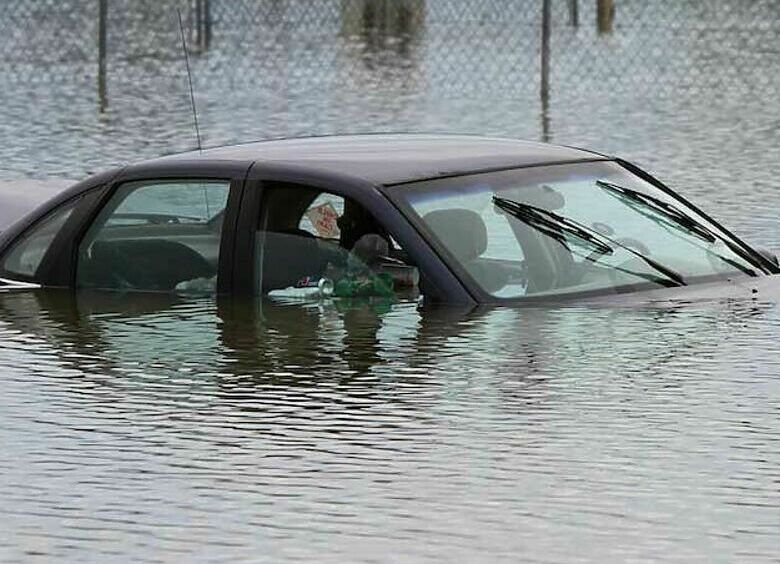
x: 161, y: 430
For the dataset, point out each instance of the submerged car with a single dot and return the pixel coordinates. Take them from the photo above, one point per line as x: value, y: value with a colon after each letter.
x: 450, y: 218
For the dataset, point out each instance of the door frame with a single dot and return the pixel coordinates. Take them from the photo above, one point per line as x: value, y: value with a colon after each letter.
x: 438, y: 281
x: 59, y: 265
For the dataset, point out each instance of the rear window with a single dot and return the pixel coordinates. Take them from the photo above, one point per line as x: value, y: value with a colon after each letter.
x: 26, y: 254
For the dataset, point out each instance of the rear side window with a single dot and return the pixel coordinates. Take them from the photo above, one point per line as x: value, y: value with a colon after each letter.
x: 156, y: 236
x: 27, y: 253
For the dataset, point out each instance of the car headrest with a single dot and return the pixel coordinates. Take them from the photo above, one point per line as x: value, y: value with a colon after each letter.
x: 462, y: 231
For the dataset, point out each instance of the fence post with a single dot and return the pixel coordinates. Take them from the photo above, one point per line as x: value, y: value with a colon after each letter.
x: 199, y: 24
x: 544, y: 90
x: 574, y: 13
x: 545, y: 78
x: 605, y: 15
x: 102, y: 86
x: 207, y: 23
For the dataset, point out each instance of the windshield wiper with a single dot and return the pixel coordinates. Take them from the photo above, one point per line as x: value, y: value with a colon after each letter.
x: 551, y: 224
x: 667, y: 210
x: 676, y: 218
x: 557, y: 227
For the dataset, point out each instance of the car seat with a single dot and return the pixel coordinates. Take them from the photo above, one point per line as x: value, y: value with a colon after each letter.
x: 464, y: 234
x: 284, y: 258
x: 142, y: 264
x: 549, y: 262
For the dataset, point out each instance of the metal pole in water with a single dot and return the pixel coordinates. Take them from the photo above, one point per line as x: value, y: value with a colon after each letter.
x: 545, y: 78
x: 574, y: 13
x: 102, y: 86
x: 207, y: 23
x: 605, y: 15
x: 199, y: 38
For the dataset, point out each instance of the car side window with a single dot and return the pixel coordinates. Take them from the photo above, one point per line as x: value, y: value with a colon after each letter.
x: 156, y: 236
x: 312, y: 244
x: 27, y: 254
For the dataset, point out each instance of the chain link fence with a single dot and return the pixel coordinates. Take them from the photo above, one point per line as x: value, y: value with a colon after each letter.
x: 432, y: 46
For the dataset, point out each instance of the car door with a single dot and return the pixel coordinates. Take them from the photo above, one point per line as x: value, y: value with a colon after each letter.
x: 169, y: 229
x: 293, y: 228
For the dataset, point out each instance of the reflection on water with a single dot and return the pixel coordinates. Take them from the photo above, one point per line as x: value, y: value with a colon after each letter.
x: 158, y: 428
x: 386, y: 29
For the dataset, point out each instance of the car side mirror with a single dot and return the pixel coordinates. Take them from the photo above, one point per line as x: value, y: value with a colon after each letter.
x: 768, y: 255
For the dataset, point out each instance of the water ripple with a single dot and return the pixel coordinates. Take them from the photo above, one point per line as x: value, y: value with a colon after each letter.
x: 224, y: 431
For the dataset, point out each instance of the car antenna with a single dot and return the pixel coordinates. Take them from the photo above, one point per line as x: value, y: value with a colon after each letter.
x: 189, y: 77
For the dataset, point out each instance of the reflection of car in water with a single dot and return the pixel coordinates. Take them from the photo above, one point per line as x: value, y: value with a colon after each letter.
x: 450, y: 218
x: 232, y: 337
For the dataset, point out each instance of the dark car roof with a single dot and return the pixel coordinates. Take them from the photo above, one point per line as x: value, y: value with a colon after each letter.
x: 394, y: 158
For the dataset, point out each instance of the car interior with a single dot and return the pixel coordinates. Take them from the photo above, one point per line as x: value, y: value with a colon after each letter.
x: 158, y: 250
x: 305, y: 235
x: 542, y: 264
x: 148, y: 263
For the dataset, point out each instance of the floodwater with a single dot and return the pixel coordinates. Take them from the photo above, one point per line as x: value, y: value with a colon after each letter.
x: 153, y: 429
x: 376, y: 432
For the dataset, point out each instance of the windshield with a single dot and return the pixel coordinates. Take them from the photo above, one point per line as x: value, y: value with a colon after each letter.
x: 570, y: 229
